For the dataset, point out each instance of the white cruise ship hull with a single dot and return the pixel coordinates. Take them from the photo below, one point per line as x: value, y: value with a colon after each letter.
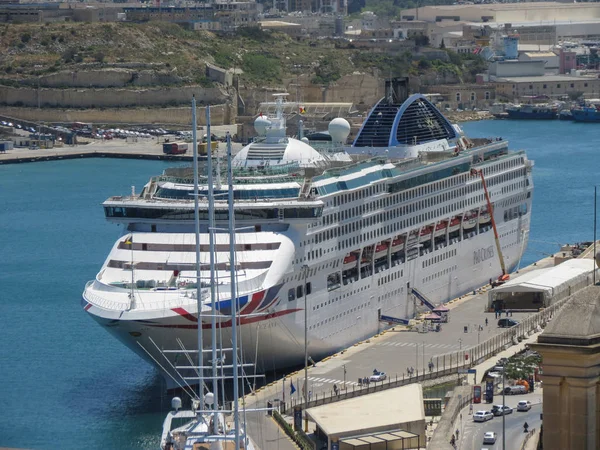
x: 338, y: 318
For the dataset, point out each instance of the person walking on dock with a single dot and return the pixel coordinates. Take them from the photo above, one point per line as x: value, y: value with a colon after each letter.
x: 486, y: 322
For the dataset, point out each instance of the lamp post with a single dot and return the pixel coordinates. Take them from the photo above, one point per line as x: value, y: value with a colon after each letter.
x: 305, y: 273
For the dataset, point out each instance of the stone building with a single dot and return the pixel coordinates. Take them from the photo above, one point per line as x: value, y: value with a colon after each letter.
x: 570, y: 350
x: 553, y: 86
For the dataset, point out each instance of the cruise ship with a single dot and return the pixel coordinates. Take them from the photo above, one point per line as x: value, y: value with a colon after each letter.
x: 345, y: 232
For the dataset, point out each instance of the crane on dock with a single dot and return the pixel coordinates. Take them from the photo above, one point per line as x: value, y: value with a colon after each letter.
x: 505, y: 276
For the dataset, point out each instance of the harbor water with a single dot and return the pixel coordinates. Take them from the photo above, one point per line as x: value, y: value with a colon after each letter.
x: 68, y: 384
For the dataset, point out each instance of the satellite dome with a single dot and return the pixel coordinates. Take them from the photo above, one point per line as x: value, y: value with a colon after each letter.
x: 261, y: 123
x: 176, y: 403
x: 305, y: 140
x: 339, y: 129
x: 209, y: 398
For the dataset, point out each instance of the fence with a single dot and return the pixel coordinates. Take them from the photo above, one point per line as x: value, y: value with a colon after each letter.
x: 444, y: 365
x: 530, y: 434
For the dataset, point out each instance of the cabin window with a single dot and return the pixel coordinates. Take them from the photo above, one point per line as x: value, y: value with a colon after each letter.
x: 299, y: 291
x: 291, y: 295
x: 308, y: 288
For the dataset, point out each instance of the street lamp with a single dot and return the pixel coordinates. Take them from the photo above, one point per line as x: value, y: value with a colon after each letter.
x: 305, y: 273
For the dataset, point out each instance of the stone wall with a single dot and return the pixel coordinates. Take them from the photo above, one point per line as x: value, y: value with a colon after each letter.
x: 110, y: 98
x: 361, y: 89
x: 223, y: 114
x: 104, y: 78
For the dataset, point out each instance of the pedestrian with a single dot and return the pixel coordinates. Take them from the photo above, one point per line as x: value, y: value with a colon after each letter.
x: 457, y: 434
x: 335, y: 389
x: 486, y: 322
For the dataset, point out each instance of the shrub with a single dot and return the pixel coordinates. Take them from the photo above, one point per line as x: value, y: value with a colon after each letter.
x: 25, y: 37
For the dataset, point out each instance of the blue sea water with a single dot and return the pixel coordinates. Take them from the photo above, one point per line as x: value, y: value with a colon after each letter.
x: 65, y: 383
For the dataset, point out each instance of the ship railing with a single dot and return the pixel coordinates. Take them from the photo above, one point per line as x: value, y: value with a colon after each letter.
x: 171, y: 298
x: 457, y: 362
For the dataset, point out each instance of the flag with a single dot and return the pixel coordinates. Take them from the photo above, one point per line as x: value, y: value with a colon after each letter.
x: 302, y: 110
x: 292, y: 388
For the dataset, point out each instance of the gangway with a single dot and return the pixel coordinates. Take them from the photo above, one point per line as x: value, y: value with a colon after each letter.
x: 423, y: 299
x: 391, y: 319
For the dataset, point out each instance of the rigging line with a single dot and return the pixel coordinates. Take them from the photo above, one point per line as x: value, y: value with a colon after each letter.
x: 165, y: 371
x: 189, y: 359
x: 170, y: 363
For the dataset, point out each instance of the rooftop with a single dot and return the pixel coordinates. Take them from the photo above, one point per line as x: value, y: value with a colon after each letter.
x: 375, y: 412
x: 542, y: 78
x: 578, y: 322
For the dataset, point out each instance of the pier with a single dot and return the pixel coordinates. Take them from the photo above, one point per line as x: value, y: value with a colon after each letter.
x: 150, y: 149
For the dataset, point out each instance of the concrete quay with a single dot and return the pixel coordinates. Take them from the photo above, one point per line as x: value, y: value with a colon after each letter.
x: 145, y: 148
x: 392, y: 351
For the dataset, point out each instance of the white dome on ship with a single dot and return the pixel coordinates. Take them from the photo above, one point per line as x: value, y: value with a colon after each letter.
x: 339, y: 129
x: 286, y: 152
x: 261, y: 123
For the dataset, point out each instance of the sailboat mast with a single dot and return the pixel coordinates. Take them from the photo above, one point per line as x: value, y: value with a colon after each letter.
x: 197, y: 235
x: 236, y: 417
x: 211, y: 241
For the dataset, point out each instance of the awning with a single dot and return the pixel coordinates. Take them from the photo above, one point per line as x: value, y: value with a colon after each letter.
x: 432, y: 316
x: 441, y: 308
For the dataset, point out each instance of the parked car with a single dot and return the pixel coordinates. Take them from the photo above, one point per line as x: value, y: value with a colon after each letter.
x: 507, y: 323
x: 500, y: 410
x: 515, y: 390
x: 377, y: 376
x: 482, y: 416
x: 524, y: 405
x: 489, y: 438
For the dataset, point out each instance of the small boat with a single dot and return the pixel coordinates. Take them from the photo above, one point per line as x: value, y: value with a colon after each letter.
x: 350, y: 261
x: 455, y: 224
x: 440, y: 228
x: 565, y: 114
x: 426, y: 233
x: 484, y: 217
x: 469, y: 221
x: 381, y: 250
x: 533, y: 112
x: 590, y: 113
x: 398, y: 244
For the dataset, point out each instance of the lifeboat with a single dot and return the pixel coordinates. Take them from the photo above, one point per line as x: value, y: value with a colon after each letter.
x: 440, y: 229
x: 350, y: 261
x: 484, y: 217
x: 455, y: 224
x: 397, y: 244
x: 426, y: 233
x: 469, y: 221
x: 381, y: 250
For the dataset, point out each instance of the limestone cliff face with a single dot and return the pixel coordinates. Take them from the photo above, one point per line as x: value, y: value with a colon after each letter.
x: 106, y: 78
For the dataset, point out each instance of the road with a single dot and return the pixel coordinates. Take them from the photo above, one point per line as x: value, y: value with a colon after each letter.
x: 396, y: 351
x: 471, y: 437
